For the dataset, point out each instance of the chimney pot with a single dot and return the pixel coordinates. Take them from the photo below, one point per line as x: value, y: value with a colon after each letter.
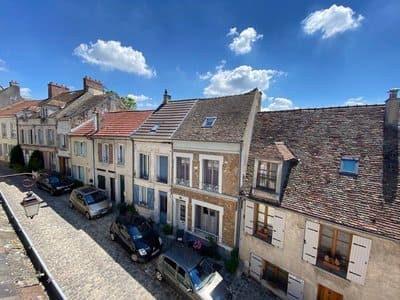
x: 167, y: 97
x: 93, y: 86
x: 55, y: 89
x: 393, y: 93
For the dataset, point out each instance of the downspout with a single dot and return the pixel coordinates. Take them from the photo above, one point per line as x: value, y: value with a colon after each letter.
x: 172, y: 182
x: 239, y: 202
x: 16, y: 128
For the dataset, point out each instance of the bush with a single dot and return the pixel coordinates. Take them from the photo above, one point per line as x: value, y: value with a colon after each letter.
x: 168, y: 229
x: 77, y: 183
x: 125, y: 209
x: 36, y: 161
x: 17, y: 160
x: 212, y: 249
x: 233, y: 262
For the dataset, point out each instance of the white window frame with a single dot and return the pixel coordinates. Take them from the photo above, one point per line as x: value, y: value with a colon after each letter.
x: 184, y: 155
x: 40, y: 136
x: 121, y: 154
x: 278, y: 173
x: 105, y: 152
x: 50, y: 136
x: 220, y: 159
x: 63, y: 141
x: 3, y: 130
x: 220, y: 210
x: 141, y: 197
x: 12, y: 130
x: 158, y: 167
x: 138, y: 165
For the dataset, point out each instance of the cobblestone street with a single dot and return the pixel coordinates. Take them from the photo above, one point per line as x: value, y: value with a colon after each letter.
x: 84, y: 261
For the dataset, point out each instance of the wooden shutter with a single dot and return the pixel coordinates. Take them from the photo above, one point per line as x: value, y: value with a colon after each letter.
x: 249, y: 217
x: 358, y: 262
x: 311, y: 238
x: 150, y: 198
x: 295, y: 288
x: 110, y: 154
x: 256, y: 266
x: 136, y: 193
x: 100, y: 151
x: 278, y: 234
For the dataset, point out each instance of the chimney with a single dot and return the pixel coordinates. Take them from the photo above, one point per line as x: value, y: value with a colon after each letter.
x: 167, y: 97
x: 14, y: 90
x: 14, y: 83
x: 92, y: 86
x: 55, y: 89
x: 392, y: 109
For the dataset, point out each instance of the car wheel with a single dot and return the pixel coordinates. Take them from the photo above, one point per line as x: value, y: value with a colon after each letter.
x: 52, y: 192
x: 112, y: 236
x: 87, y: 215
x: 134, y: 257
x: 159, y: 276
x: 71, y: 205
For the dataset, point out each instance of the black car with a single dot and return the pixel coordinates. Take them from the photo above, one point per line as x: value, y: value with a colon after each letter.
x: 137, y: 236
x: 54, y: 183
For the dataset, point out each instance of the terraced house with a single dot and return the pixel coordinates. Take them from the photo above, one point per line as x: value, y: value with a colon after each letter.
x: 322, y: 209
x: 210, y: 150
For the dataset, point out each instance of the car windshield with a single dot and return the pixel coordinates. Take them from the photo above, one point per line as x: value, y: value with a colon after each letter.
x: 201, y: 274
x: 95, y: 197
x: 139, y: 231
x: 54, y: 179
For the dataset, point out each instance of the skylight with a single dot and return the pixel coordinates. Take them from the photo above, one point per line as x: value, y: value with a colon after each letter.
x: 155, y: 127
x: 349, y: 166
x: 209, y: 122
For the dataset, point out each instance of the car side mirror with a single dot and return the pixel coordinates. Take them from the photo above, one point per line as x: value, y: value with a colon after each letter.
x: 189, y: 290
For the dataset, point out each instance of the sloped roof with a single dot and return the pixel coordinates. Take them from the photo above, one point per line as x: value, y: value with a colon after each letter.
x: 12, y: 109
x: 232, y: 115
x: 166, y: 119
x: 64, y: 98
x: 319, y: 138
x: 84, y: 129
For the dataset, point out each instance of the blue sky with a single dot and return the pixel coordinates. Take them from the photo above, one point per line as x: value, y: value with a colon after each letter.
x: 299, y: 53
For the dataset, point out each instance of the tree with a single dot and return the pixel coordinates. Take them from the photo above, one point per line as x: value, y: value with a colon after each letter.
x: 36, y: 161
x: 17, y: 157
x: 129, y: 102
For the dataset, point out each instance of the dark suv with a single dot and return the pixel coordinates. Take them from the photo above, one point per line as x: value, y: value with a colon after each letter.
x: 54, y: 183
x: 137, y: 236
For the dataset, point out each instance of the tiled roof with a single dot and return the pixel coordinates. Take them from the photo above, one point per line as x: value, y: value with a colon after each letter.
x: 319, y: 138
x: 65, y: 98
x: 17, y: 107
x: 231, y: 112
x: 121, y: 123
x: 84, y: 129
x: 165, y: 120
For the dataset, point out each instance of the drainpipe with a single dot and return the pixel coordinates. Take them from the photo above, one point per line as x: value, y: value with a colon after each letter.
x: 172, y: 182
x: 16, y: 128
x: 239, y: 202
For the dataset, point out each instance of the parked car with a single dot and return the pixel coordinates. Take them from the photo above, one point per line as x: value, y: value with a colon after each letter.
x: 137, y: 236
x: 90, y: 201
x: 54, y: 183
x: 191, y: 274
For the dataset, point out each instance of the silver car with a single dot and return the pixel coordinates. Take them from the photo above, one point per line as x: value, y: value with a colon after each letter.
x: 91, y: 201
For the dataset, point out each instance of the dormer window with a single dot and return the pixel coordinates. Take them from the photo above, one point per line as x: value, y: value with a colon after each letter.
x: 43, y: 112
x: 209, y: 122
x: 267, y: 175
x: 349, y: 166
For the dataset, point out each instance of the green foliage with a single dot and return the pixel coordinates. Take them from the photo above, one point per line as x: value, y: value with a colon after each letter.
x: 36, y: 162
x: 211, y: 250
x: 17, y: 158
x: 168, y: 229
x: 233, y: 262
x: 77, y: 183
x: 129, y: 102
x: 125, y: 209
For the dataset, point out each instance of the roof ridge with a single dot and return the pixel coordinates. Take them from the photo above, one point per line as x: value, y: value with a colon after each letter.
x: 321, y: 108
x: 217, y: 97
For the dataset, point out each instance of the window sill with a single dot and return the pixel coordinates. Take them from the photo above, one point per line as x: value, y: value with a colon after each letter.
x: 332, y: 269
x: 143, y: 205
x: 265, y: 194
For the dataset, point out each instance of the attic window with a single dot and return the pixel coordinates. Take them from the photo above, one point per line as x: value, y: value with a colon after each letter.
x: 209, y: 122
x: 155, y: 127
x: 349, y: 166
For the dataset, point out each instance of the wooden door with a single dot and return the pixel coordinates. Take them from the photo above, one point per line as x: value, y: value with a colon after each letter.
x: 327, y: 294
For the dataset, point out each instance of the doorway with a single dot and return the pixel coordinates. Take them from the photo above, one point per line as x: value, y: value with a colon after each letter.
x: 122, y: 188
x: 327, y: 294
x: 181, y: 214
x: 163, y: 196
x: 61, y: 161
x: 112, y: 189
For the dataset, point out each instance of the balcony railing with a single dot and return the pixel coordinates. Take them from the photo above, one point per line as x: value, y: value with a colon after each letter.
x: 182, y: 181
x: 211, y: 187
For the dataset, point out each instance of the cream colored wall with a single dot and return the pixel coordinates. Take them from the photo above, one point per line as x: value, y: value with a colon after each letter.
x: 86, y: 162
x: 8, y: 139
x: 383, y: 273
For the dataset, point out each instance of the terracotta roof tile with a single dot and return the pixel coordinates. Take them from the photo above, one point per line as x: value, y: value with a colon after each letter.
x: 17, y: 107
x: 84, y: 129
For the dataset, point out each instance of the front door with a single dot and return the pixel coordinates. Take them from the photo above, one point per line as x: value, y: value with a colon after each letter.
x: 181, y: 214
x: 163, y: 196
x: 122, y: 188
x: 112, y: 189
x: 327, y: 294
x: 61, y: 162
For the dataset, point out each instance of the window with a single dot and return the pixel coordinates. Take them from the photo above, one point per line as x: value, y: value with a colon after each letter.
x: 63, y: 141
x: 22, y: 136
x: 264, y: 220
x: 83, y: 149
x: 266, y: 175
x: 120, y: 154
x: 183, y: 278
x: 182, y: 171
x: 155, y: 127
x: 144, y: 166
x: 80, y: 173
x: 207, y: 221
x: 30, y: 136
x: 275, y: 276
x: 1, y: 150
x: 40, y: 136
x: 50, y: 136
x: 162, y: 169
x: 105, y: 153
x: 170, y: 266
x: 101, y: 182
x: 12, y: 130
x: 211, y: 175
x: 143, y: 196
x: 3, y: 130
x: 209, y: 122
x: 349, y: 166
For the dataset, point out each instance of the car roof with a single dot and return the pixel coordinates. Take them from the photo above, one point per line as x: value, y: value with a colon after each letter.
x: 86, y: 190
x: 185, y: 257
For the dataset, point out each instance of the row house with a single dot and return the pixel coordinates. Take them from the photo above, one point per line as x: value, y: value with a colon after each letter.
x: 321, y: 205
x: 8, y: 125
x: 210, y: 151
x: 152, y: 166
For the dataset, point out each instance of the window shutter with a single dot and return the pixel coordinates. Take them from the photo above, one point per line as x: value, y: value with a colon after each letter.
x: 311, y: 238
x: 100, y: 151
x: 278, y: 234
x: 249, y: 217
x: 150, y: 198
x: 111, y: 154
x: 358, y: 262
x: 295, y: 288
x: 256, y: 266
x: 136, y: 193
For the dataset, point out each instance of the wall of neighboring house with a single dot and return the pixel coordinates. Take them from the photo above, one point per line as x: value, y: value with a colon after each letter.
x: 382, y: 265
x: 8, y: 136
x: 151, y: 186
x: 220, y: 202
x: 82, y: 159
x: 116, y: 170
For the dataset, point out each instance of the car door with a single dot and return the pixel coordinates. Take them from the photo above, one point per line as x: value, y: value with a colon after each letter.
x: 169, y: 270
x: 125, y: 236
x: 184, y: 283
x: 80, y: 203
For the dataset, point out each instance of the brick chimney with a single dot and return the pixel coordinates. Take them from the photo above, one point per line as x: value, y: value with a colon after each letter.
x: 14, y: 83
x: 92, y: 86
x: 55, y: 89
x: 166, y: 98
x: 392, y: 109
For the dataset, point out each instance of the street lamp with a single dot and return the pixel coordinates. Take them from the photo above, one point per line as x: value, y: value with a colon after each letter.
x: 31, y: 205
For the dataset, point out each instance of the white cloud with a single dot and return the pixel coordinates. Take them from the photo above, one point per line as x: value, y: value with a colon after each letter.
x: 147, y: 105
x: 278, y: 103
x: 238, y: 80
x: 244, y: 41
x: 3, y: 67
x: 112, y: 55
x: 138, y: 98
x: 331, y: 21
x: 355, y: 101
x: 25, y: 92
